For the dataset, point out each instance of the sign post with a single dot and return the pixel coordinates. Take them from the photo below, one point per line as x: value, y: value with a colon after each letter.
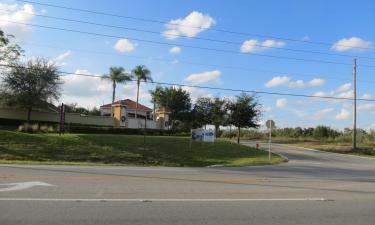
x: 62, y: 119
x: 270, y: 125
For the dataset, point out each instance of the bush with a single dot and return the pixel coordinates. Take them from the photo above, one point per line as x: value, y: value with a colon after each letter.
x: 36, y: 128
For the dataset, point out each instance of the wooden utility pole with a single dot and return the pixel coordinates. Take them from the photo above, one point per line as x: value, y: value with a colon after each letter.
x: 354, y: 104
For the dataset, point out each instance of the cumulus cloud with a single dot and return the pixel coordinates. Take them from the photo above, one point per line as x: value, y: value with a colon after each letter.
x: 316, y: 82
x: 196, y: 93
x: 277, y: 81
x: 175, y: 50
x: 253, y: 45
x: 124, y: 45
x: 322, y: 113
x: 92, y: 92
x: 190, y: 26
x: 287, y: 81
x: 297, y: 84
x: 353, y: 43
x: 281, y: 102
x: 344, y: 87
x: 19, y: 14
x: 58, y: 60
x: 366, y: 96
x: 367, y: 106
x: 344, y: 114
x: 205, y: 77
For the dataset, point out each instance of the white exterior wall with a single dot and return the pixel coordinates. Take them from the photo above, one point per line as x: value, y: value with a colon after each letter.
x: 140, y: 123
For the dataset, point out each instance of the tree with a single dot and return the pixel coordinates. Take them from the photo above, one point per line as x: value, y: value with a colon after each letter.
x: 117, y: 75
x: 201, y: 112
x: 176, y: 100
x: 245, y: 112
x: 31, y: 85
x: 8, y: 52
x: 218, y: 113
x: 141, y: 73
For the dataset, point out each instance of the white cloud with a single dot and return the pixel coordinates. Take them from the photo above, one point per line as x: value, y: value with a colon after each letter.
x: 58, y: 60
x: 253, y: 45
x: 18, y: 14
x: 366, y: 96
x: 316, y: 82
x: 353, y: 43
x: 347, y: 94
x: 62, y: 56
x: 281, y: 102
x: 267, y: 109
x: 196, y: 93
x: 297, y: 84
x: 287, y: 81
x: 343, y: 115
x: 92, y: 92
x: 277, y: 81
x: 199, y: 78
x: 344, y: 87
x: 175, y: 50
x: 189, y: 26
x: 124, y: 45
x: 367, y: 106
x: 322, y: 113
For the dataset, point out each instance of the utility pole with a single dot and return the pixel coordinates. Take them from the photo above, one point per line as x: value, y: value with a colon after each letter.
x: 354, y: 139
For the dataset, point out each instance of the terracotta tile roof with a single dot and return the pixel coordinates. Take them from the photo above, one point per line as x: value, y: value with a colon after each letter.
x: 130, y: 104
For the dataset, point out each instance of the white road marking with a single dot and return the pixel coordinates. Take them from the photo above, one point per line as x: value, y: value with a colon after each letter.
x: 159, y: 199
x: 23, y: 185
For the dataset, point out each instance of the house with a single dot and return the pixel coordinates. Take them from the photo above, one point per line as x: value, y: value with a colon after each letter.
x: 123, y: 112
x: 142, y: 112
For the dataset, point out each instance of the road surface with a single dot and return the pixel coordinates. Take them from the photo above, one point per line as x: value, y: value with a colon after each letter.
x: 312, y: 188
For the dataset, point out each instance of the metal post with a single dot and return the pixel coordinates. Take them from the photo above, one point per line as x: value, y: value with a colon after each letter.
x: 269, y: 143
x: 354, y: 104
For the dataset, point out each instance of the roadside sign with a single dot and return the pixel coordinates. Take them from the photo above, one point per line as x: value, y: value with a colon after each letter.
x: 270, y: 124
x: 203, y: 135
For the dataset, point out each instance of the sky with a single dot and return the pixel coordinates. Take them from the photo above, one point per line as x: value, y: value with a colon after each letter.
x: 258, y: 53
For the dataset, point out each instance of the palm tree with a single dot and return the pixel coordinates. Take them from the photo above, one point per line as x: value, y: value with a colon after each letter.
x: 141, y: 73
x: 117, y: 75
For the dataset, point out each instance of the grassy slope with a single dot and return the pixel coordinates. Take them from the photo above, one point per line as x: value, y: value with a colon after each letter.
x: 364, y: 149
x: 125, y: 150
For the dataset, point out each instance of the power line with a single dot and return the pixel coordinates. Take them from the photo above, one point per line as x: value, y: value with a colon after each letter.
x: 218, y: 66
x: 186, y: 46
x: 213, y: 29
x: 213, y: 88
x: 197, y: 38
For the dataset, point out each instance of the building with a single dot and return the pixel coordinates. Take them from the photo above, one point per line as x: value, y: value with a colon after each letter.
x: 123, y: 112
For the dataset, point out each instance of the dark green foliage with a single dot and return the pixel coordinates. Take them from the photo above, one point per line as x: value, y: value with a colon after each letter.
x: 176, y: 100
x: 31, y: 85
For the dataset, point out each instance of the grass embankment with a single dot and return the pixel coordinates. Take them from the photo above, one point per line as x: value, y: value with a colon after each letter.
x: 344, y: 147
x: 84, y: 149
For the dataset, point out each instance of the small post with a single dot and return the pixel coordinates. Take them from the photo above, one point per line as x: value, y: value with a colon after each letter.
x: 354, y: 104
x: 269, y: 143
x: 144, y: 133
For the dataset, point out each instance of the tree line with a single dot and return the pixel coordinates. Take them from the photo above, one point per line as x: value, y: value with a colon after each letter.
x: 35, y: 84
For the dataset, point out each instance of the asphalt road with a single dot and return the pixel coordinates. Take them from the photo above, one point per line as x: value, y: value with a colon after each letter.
x: 312, y: 188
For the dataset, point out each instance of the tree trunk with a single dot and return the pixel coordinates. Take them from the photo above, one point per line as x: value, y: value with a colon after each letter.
x: 238, y: 135
x: 113, y: 96
x: 136, y: 105
x: 216, y: 130
x: 28, y: 115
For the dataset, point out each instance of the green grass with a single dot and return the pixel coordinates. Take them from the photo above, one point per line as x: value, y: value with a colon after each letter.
x: 365, y: 148
x: 97, y: 149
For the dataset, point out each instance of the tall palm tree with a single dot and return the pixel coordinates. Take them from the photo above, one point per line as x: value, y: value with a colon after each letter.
x: 117, y: 75
x: 141, y: 73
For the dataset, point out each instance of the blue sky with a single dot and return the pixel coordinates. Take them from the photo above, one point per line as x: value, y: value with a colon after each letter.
x: 346, y: 23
